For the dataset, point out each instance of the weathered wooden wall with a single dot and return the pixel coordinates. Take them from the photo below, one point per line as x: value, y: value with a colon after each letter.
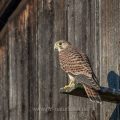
x: 110, y: 52
x: 30, y: 77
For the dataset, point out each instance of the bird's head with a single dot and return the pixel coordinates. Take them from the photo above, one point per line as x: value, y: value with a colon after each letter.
x: 61, y: 45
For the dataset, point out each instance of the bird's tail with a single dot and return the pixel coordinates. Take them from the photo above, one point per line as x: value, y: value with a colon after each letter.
x: 92, y: 94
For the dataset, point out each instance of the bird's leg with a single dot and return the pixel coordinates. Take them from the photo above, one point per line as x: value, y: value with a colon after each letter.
x: 71, y: 83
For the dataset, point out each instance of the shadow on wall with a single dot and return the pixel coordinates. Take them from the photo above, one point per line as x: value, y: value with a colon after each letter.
x: 114, y: 82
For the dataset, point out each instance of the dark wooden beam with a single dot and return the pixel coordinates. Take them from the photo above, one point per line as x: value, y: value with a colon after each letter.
x: 107, y: 94
x: 8, y: 12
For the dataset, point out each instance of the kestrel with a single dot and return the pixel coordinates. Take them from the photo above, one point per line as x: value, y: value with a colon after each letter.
x: 77, y: 64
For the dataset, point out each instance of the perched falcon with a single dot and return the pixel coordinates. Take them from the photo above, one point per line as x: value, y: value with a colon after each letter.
x: 76, y: 63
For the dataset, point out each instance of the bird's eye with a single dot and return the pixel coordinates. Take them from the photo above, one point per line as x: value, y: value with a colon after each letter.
x: 60, y: 43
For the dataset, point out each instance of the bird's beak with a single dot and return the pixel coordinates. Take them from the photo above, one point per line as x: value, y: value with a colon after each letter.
x: 55, y: 47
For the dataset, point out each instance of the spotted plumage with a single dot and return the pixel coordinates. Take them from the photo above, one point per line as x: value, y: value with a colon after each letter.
x: 76, y: 63
x: 72, y: 62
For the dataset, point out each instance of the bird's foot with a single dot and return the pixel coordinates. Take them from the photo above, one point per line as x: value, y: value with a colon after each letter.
x: 66, y: 87
x: 70, y: 86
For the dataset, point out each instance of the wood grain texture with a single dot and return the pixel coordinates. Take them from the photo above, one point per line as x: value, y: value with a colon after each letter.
x: 30, y: 77
x: 109, y: 74
x: 4, y: 84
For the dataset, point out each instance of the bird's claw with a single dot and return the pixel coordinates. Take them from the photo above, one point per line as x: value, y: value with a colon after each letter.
x: 69, y: 86
x: 66, y: 86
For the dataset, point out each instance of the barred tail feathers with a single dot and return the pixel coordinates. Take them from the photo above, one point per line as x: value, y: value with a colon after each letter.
x: 92, y: 94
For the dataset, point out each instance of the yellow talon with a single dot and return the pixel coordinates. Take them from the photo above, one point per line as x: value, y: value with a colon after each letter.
x: 71, y: 85
x: 66, y: 86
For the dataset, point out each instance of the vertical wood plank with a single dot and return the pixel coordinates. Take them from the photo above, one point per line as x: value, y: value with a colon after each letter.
x: 45, y: 20
x: 51, y: 17
x: 83, y: 33
x: 18, y: 69
x: 4, y: 84
x: 109, y: 53
x: 31, y: 29
x: 60, y: 32
x: 12, y: 80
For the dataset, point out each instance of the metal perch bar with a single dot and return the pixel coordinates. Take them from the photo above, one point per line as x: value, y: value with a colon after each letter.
x: 107, y: 94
